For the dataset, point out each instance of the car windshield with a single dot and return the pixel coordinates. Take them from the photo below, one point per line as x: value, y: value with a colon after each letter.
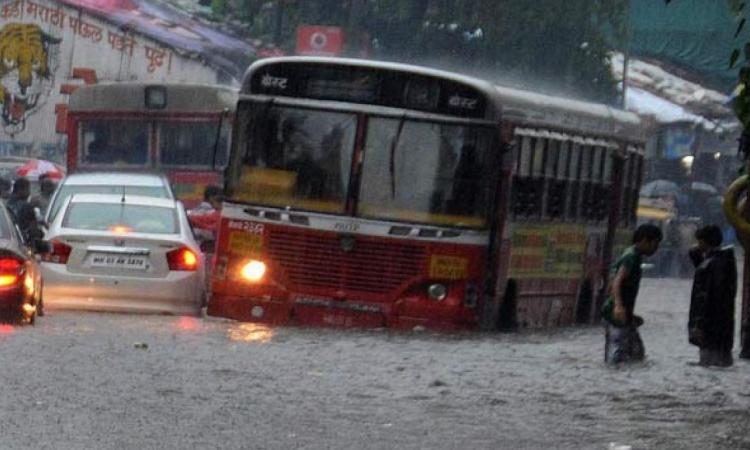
x: 66, y: 190
x: 426, y: 172
x: 193, y: 144
x: 298, y: 158
x: 121, y: 217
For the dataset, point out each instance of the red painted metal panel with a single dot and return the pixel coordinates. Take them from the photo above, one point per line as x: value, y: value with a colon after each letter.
x: 374, y: 282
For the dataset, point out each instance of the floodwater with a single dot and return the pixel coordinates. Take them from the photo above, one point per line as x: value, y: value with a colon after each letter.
x: 107, y: 381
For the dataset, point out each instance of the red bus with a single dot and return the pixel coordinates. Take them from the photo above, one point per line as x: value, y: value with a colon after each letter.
x: 181, y: 130
x: 371, y: 194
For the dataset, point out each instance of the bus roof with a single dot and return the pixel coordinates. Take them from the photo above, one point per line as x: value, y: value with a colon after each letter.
x: 477, y: 83
x: 563, y: 114
x: 345, y: 79
x: 131, y: 97
x: 517, y: 106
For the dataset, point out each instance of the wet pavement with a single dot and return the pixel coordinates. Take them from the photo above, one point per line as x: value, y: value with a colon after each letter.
x: 108, y: 381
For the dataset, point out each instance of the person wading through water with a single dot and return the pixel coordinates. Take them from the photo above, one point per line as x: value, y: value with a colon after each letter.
x: 623, y: 344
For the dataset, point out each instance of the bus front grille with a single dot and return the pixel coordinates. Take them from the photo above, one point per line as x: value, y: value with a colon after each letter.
x: 345, y: 263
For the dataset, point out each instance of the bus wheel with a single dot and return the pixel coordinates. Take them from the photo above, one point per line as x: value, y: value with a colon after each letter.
x: 507, y: 315
x: 583, y: 304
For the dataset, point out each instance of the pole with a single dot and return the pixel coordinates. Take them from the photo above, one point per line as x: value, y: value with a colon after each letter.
x: 626, y: 58
x: 745, y: 311
x: 737, y: 209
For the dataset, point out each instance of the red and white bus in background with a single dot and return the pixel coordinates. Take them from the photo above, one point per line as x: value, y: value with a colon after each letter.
x: 362, y: 193
x: 181, y: 130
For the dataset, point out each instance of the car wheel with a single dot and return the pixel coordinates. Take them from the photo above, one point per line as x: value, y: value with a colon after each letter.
x: 40, y: 303
x: 31, y: 320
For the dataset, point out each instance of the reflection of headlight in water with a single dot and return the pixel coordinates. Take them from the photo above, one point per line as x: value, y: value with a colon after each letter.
x: 250, y: 332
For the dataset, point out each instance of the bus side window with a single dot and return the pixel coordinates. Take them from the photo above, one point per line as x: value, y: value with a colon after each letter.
x: 536, y: 188
x: 605, y: 199
x: 589, y: 198
x: 584, y: 211
x: 597, y: 193
x: 523, y: 193
x: 555, y: 186
x: 574, y: 175
x: 563, y: 177
x: 638, y: 179
x: 626, y: 188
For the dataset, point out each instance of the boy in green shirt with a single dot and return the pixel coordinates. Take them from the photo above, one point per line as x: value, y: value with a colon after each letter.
x: 623, y: 343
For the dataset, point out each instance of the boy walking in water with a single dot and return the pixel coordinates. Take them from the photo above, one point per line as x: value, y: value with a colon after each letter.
x: 711, y: 320
x: 623, y: 343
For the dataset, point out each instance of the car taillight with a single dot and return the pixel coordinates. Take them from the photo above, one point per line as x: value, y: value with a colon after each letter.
x: 10, y: 271
x: 182, y: 259
x: 58, y: 253
x: 8, y: 280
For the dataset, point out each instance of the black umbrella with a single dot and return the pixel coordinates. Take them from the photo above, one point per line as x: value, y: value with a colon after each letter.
x: 659, y: 188
x: 698, y: 186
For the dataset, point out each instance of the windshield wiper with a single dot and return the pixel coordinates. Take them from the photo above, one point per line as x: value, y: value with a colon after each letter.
x: 392, y: 163
x: 224, y: 113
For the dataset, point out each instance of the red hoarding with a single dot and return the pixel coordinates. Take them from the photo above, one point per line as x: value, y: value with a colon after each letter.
x: 315, y: 40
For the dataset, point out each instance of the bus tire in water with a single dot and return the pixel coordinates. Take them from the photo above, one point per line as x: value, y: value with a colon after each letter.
x: 583, y: 303
x: 507, y: 315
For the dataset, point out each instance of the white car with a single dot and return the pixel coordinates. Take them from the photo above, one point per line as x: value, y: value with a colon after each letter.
x: 145, y: 184
x: 123, y: 253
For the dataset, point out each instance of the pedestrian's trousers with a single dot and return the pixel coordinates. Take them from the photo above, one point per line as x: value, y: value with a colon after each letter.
x: 622, y: 344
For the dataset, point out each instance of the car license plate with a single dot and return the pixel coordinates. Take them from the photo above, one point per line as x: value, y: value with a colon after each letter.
x: 134, y: 262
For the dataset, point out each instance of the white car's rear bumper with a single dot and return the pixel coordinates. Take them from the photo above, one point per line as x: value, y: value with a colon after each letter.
x: 180, y: 292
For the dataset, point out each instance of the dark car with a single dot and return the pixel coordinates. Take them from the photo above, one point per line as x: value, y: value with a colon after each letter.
x: 20, y: 275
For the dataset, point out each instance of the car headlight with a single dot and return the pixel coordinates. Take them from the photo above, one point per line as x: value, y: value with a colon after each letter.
x: 437, y: 291
x: 253, y: 271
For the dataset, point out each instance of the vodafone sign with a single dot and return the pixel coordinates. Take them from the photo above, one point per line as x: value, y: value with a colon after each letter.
x: 319, y: 41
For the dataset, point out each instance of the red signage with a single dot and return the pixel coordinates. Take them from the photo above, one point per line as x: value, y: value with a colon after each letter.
x: 319, y: 41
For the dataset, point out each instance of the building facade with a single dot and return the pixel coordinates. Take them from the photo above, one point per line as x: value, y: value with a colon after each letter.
x: 48, y: 48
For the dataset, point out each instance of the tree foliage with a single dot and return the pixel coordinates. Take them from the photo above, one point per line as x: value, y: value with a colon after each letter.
x: 546, y: 45
x: 741, y: 103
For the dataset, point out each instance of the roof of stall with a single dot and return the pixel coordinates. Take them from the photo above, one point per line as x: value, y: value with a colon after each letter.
x: 175, y: 29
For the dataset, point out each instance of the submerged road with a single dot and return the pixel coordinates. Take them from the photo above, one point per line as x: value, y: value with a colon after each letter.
x: 107, y: 381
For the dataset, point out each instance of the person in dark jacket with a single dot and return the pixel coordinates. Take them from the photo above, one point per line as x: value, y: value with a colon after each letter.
x: 711, y: 320
x: 5, y: 187
x: 46, y: 189
x: 21, y: 211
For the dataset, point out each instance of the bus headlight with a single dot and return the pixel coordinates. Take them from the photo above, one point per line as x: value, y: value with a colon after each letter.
x: 437, y: 291
x: 253, y: 271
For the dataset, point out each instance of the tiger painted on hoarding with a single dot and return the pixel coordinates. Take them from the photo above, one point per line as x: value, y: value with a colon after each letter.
x: 24, y: 71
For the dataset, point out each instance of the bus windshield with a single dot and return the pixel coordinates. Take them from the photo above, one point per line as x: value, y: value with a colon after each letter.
x: 298, y: 158
x: 426, y: 172
x: 114, y: 142
x: 193, y: 143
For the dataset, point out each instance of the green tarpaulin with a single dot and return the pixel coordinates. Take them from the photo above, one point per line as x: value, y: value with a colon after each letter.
x: 697, y: 35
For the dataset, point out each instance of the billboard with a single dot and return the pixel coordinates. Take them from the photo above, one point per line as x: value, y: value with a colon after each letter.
x: 313, y: 40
